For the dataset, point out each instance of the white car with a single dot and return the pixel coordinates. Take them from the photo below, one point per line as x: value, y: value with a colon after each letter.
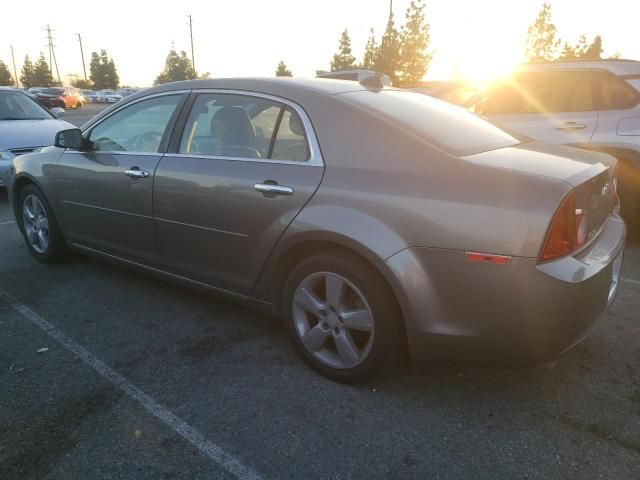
x: 108, y: 96
x: 587, y: 104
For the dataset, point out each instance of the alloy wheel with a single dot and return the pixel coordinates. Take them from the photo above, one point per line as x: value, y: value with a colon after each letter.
x: 36, y: 223
x: 333, y: 320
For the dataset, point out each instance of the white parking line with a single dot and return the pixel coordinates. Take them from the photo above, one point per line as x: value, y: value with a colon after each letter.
x: 209, y: 448
x: 631, y: 280
x: 8, y: 223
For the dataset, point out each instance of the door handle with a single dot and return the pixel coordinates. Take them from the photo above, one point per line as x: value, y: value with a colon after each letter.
x: 273, y: 188
x: 135, y: 172
x: 571, y: 126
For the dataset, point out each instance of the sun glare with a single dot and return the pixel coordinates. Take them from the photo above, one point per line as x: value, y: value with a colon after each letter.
x: 480, y: 56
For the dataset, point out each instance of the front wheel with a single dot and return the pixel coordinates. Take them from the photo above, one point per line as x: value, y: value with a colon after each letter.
x: 342, y: 316
x: 39, y: 226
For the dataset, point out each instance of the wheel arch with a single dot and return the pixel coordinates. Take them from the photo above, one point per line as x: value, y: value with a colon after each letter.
x: 273, y: 276
x: 20, y: 182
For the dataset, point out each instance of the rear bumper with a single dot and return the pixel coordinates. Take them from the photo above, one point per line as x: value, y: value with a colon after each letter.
x: 524, y: 312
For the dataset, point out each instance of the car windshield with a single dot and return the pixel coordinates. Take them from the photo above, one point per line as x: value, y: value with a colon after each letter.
x: 18, y: 106
x: 446, y: 126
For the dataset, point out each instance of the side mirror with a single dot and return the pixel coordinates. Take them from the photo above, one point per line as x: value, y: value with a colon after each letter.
x: 58, y: 112
x: 71, y: 138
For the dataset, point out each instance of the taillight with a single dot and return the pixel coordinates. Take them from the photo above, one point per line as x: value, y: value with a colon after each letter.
x: 569, y: 230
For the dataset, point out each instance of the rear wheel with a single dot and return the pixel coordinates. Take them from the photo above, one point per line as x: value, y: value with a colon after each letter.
x: 342, y: 316
x: 39, y: 226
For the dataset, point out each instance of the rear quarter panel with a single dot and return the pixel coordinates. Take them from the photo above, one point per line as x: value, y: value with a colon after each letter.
x: 385, y: 190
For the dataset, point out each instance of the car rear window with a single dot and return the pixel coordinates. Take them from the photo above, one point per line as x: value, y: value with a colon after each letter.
x: 446, y: 126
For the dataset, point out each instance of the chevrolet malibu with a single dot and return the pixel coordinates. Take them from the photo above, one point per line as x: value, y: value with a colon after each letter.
x: 372, y: 220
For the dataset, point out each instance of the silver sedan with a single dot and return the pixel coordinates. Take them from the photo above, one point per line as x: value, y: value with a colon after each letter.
x: 372, y: 220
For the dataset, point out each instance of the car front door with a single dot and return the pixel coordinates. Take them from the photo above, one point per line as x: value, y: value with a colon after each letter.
x: 106, y: 189
x: 554, y: 107
x: 242, y: 168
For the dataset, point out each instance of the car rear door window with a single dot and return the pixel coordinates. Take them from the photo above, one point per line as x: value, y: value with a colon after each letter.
x: 290, y: 142
x: 243, y: 126
x: 540, y: 92
x: 136, y: 128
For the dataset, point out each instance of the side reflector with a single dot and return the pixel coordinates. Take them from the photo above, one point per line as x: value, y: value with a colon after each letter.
x: 476, y: 257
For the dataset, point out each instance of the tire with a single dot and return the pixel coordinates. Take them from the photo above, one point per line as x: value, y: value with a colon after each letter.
x: 629, y: 206
x: 30, y: 215
x: 628, y: 192
x: 333, y: 339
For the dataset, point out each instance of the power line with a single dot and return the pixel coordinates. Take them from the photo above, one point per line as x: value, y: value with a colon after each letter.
x: 84, y: 67
x: 15, y: 70
x: 193, y: 60
x: 52, y: 53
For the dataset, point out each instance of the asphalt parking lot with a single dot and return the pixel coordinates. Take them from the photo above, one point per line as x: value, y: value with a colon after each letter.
x: 106, y: 373
x: 80, y: 116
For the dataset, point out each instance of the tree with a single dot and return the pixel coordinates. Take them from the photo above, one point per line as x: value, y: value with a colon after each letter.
x: 282, y: 70
x: 343, y: 60
x: 6, y: 79
x: 82, y: 84
x: 103, y: 71
x: 388, y: 58
x: 541, y: 44
x: 582, y: 49
x: 370, y: 51
x: 26, y: 75
x: 42, y: 76
x: 414, y: 39
x: 594, y: 51
x: 176, y: 67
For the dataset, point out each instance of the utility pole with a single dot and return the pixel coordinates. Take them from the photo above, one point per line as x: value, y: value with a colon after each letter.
x: 84, y: 68
x: 390, y: 8
x: 15, y: 70
x: 52, y: 53
x: 193, y: 59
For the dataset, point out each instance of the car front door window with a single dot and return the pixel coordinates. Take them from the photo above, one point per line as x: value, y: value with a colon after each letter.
x: 138, y: 128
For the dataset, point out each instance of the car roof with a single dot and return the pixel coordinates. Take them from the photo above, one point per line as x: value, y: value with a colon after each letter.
x: 616, y: 66
x: 318, y: 85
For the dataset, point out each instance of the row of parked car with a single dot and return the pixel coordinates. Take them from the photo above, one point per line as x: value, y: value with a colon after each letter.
x: 69, y: 97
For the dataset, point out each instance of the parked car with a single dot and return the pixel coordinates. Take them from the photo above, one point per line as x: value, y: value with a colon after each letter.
x: 126, y: 91
x: 370, y: 219
x: 357, y: 75
x: 25, y: 126
x: 108, y: 96
x: 593, y: 105
x: 51, y: 97
x: 60, y: 97
x: 89, y: 95
x: 34, y: 90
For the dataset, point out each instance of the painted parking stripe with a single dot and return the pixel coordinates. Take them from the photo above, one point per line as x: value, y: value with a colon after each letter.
x: 207, y: 447
x: 8, y: 223
x: 631, y: 280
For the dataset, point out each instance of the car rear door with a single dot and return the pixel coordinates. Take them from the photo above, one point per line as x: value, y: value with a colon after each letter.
x: 106, y: 190
x: 554, y: 107
x: 243, y: 165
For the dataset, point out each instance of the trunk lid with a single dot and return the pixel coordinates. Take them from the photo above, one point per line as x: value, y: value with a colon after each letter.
x: 590, y: 174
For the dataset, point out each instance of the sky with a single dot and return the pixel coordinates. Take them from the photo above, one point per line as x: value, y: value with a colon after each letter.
x: 469, y: 38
